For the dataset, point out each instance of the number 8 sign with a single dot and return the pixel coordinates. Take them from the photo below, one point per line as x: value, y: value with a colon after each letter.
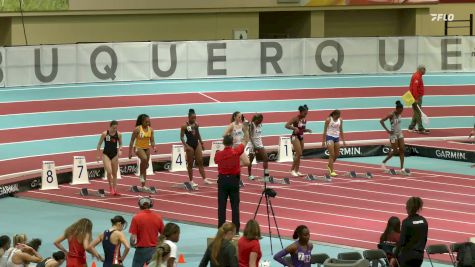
x: 48, y: 177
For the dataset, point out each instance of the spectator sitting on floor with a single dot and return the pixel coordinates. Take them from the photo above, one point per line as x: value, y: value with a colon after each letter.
x: 20, y: 254
x: 5, y: 243
x: 249, y: 249
x: 56, y: 260
x: 35, y: 243
x: 221, y: 252
x: 390, y: 238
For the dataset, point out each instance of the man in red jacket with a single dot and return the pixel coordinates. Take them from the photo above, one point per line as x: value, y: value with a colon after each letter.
x: 229, y: 174
x: 417, y: 91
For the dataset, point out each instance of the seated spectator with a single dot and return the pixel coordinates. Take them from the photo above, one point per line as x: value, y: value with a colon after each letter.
x: 79, y: 236
x: 300, y: 251
x: 111, y: 240
x: 249, y: 249
x: 161, y: 256
x: 390, y: 238
x: 20, y: 254
x: 35, y: 243
x: 221, y: 252
x: 414, y: 230
x: 56, y: 260
x: 5, y: 243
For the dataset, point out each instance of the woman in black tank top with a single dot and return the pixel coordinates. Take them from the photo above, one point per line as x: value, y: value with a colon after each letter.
x: 110, y: 154
x: 193, y: 146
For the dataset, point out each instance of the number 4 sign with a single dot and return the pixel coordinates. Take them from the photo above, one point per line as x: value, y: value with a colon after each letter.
x: 178, y: 158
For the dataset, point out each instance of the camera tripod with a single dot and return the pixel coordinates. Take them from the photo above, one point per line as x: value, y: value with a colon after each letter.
x: 269, y: 193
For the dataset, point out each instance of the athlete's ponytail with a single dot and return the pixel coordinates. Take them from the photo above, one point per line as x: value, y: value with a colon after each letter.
x: 303, y: 108
x: 399, y: 104
x: 162, y: 251
x: 218, y: 240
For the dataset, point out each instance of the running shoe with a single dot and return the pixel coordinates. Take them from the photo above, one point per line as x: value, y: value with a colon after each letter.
x: 300, y: 174
x: 207, y: 181
x: 333, y: 174
x: 195, y: 185
x: 142, y: 179
x: 404, y: 172
x: 294, y: 173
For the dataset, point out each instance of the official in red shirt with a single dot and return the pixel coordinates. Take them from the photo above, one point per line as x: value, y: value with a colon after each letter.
x: 229, y: 170
x: 145, y: 229
x: 417, y: 91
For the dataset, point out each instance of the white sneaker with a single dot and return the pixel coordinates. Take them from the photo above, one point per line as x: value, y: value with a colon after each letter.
x: 251, y: 177
x: 300, y: 174
x: 294, y: 174
x: 207, y: 181
x: 383, y: 166
x: 404, y: 172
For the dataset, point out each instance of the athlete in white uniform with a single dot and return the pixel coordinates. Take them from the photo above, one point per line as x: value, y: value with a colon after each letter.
x: 395, y: 135
x: 239, y: 130
x: 257, y: 148
x: 332, y: 132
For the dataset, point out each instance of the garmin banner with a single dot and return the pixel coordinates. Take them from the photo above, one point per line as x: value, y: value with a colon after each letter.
x: 443, y: 153
x: 110, y: 62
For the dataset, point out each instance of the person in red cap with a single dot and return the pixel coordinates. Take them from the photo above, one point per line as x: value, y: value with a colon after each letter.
x: 417, y: 91
x: 145, y: 228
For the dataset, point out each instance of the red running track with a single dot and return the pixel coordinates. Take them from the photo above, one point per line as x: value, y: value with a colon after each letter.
x: 80, y: 129
x: 346, y: 212
x: 445, y: 145
x: 34, y: 163
x: 170, y: 99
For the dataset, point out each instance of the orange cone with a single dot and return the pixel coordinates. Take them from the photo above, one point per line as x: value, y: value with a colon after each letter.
x: 93, y: 264
x: 181, y: 259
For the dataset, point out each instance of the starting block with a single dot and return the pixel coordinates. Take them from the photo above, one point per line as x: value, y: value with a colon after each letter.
x: 354, y: 174
x: 273, y: 180
x: 325, y: 178
x: 398, y: 172
x: 99, y: 193
x: 187, y: 186
x: 137, y: 189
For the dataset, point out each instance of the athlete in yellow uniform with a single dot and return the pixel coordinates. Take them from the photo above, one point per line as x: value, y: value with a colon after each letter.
x: 143, y: 139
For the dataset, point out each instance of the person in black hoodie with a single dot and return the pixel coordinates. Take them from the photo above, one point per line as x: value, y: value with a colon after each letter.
x: 414, y: 232
x: 221, y: 253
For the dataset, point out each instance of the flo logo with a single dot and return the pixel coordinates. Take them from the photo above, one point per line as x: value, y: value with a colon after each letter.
x: 442, y: 17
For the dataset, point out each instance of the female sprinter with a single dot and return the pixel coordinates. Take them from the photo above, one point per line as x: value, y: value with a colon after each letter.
x: 112, y: 239
x: 143, y: 139
x: 395, y: 136
x: 193, y: 147
x: 298, y: 126
x: 78, y: 236
x: 110, y: 154
x: 257, y: 148
x: 331, y: 138
x: 239, y: 130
